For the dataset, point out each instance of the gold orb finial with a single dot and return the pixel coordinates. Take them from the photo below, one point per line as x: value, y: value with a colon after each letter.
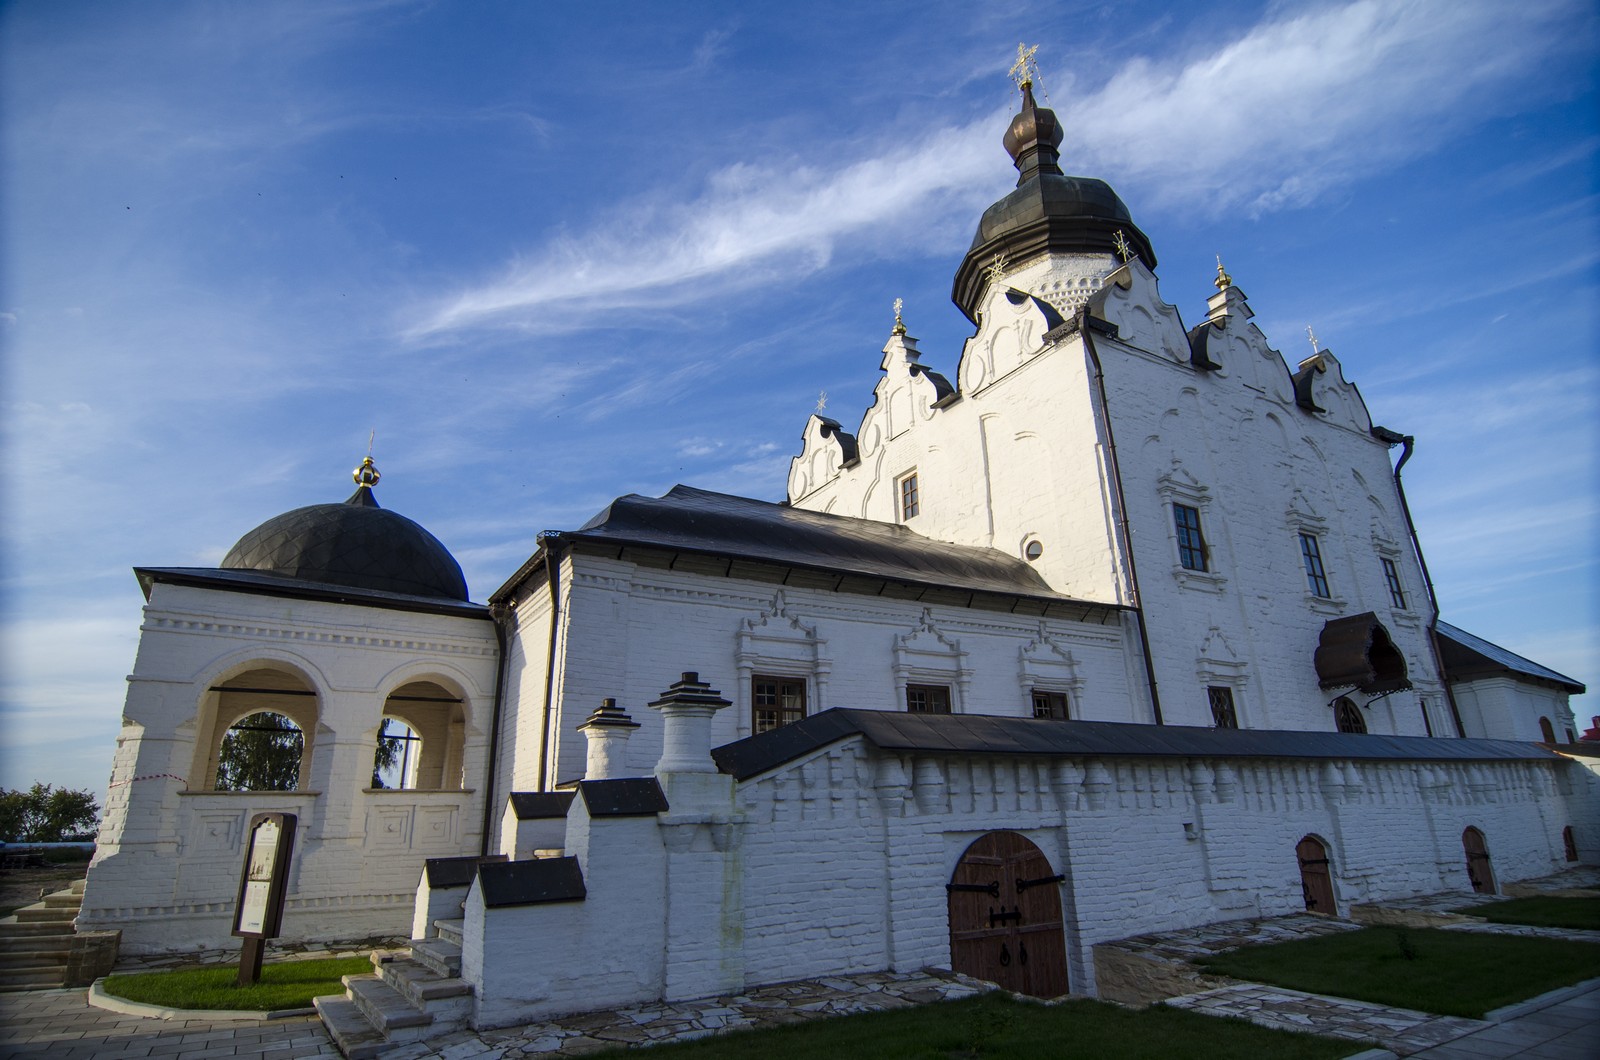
x: 899, y: 325
x: 1224, y: 281
x: 367, y: 473
x: 1025, y: 70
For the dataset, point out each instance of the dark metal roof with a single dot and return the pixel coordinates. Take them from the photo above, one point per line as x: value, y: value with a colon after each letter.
x: 1466, y: 656
x: 694, y: 520
x: 1302, y: 379
x: 987, y: 734
x: 268, y: 584
x: 1048, y: 211
x: 454, y: 872
x: 531, y: 882
x: 631, y: 797
x: 540, y: 805
x: 356, y: 543
x: 1200, y: 337
x: 849, y: 455
x: 1356, y: 651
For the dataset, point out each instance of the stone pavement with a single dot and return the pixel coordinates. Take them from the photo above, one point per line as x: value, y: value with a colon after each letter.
x: 60, y: 1024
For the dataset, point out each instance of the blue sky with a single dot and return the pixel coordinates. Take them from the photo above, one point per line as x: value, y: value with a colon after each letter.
x: 556, y: 253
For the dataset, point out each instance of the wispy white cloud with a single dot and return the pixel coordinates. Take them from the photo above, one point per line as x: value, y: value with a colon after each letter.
x: 1271, y: 119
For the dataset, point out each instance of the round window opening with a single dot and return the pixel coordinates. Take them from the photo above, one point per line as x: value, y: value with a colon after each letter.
x: 1033, y: 550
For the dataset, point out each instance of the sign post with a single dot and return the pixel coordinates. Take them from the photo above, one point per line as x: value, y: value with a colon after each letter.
x: 262, y: 888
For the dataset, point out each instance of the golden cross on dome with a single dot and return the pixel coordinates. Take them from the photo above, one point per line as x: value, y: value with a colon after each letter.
x: 822, y: 401
x: 1124, y: 249
x: 899, y: 325
x: 997, y: 268
x: 366, y: 474
x: 1224, y: 281
x: 1024, y: 70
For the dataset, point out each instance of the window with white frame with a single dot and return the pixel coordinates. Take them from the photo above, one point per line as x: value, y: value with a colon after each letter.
x: 1223, y: 714
x: 1191, y: 542
x: 1049, y: 704
x: 776, y: 701
x: 1316, y: 576
x: 910, y: 496
x: 1391, y: 577
x: 928, y: 699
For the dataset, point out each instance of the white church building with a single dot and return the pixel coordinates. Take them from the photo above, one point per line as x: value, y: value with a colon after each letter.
x: 1120, y: 626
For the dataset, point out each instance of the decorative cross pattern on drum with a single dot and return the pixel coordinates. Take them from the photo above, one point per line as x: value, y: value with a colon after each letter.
x: 1005, y: 916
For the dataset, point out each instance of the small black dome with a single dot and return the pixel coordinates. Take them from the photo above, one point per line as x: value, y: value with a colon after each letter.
x: 357, y: 544
x: 1048, y: 211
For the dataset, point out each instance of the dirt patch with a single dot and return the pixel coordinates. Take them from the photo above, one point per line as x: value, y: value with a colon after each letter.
x: 21, y: 887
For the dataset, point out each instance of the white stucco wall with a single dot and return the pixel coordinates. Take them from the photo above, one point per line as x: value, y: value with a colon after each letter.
x: 168, y: 856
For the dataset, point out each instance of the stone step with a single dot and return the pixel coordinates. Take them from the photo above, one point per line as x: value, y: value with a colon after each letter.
x: 355, y: 1037
x: 441, y: 956
x: 12, y: 929
x: 448, y: 1001
x: 397, y: 1019
x: 449, y: 930
x: 30, y: 978
x: 77, y: 885
x: 39, y: 913
x: 63, y: 900
x: 43, y: 947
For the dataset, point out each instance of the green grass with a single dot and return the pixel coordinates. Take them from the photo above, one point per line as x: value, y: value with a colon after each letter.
x: 286, y: 984
x: 1453, y: 973
x: 1581, y: 913
x: 995, y: 1026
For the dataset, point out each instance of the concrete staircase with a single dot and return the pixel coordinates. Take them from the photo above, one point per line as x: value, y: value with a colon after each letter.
x: 36, y: 942
x: 406, y: 999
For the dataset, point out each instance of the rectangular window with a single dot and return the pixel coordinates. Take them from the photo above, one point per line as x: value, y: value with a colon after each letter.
x: 777, y: 701
x: 1311, y: 552
x: 928, y: 699
x: 909, y: 502
x: 1050, y: 705
x: 1191, y: 543
x: 1397, y: 592
x: 1223, y: 715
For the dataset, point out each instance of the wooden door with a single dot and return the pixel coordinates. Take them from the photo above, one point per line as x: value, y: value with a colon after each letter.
x: 1478, y: 869
x: 1316, y: 878
x: 1005, y: 916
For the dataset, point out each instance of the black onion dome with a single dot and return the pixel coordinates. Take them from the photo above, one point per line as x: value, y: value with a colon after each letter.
x: 1049, y: 211
x: 357, y: 544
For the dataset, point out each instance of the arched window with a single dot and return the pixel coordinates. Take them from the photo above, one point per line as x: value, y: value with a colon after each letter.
x: 1348, y: 716
x: 260, y: 752
x: 1546, y: 730
x: 256, y: 732
x: 420, y: 739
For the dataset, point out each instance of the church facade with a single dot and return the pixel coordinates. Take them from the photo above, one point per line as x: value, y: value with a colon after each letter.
x: 1125, y: 628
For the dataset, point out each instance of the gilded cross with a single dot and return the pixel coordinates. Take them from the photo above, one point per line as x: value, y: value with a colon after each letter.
x: 1312, y: 335
x: 822, y: 401
x: 997, y: 268
x: 1124, y: 250
x: 1024, y: 70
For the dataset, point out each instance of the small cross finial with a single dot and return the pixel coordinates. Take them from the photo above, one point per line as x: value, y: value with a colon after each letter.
x: 1312, y: 335
x: 822, y: 401
x: 1024, y: 70
x: 1224, y: 281
x: 997, y: 268
x: 1124, y: 249
x: 899, y: 325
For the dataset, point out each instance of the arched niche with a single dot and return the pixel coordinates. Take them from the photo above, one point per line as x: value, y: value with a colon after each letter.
x: 237, y: 746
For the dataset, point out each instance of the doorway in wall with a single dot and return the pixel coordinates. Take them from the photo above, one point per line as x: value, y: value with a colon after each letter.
x: 1478, y: 868
x: 1316, y: 876
x: 1005, y: 916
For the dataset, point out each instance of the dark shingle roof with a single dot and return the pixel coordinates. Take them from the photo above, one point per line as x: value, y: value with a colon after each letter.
x: 987, y: 734
x: 694, y: 520
x: 1466, y: 656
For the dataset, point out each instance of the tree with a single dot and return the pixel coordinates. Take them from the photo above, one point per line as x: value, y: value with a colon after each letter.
x: 388, y: 753
x: 46, y: 814
x: 260, y: 752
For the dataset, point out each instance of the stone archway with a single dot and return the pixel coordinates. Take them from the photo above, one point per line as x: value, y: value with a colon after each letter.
x: 1005, y: 916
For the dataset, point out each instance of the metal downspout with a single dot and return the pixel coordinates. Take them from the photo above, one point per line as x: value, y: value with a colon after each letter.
x: 1122, y: 513
x: 1407, y: 442
x: 502, y: 618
